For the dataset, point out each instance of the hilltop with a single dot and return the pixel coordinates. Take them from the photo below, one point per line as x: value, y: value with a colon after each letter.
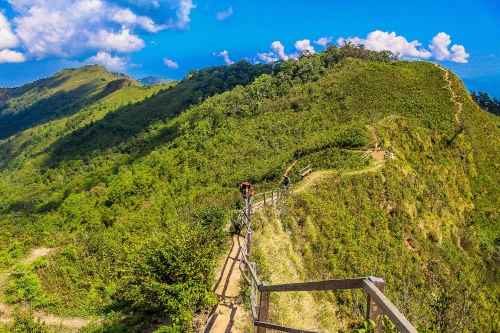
x: 134, y: 186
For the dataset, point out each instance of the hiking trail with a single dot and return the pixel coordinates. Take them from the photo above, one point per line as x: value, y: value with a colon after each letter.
x: 453, y: 95
x: 7, y: 311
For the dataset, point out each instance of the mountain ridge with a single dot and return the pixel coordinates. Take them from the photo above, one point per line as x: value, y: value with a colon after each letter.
x: 151, y: 172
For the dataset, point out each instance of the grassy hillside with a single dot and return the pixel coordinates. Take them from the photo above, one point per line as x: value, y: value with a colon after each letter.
x: 134, y: 190
x: 60, y: 95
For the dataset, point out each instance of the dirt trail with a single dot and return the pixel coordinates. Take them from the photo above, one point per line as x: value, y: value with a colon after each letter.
x: 41, y: 252
x: 230, y: 311
x: 317, y: 176
x: 6, y: 311
x: 453, y: 95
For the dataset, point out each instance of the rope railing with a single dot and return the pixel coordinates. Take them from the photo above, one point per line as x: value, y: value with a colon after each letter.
x: 377, y: 303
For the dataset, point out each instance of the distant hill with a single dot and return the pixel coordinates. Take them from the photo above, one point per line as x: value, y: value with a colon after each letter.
x: 60, y: 95
x: 151, y: 80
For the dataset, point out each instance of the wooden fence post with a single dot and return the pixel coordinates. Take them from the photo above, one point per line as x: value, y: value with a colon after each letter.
x: 263, y: 309
x: 372, y: 309
x: 272, y: 196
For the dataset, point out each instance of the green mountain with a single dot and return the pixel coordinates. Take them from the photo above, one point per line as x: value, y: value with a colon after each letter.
x: 58, y: 96
x: 134, y: 186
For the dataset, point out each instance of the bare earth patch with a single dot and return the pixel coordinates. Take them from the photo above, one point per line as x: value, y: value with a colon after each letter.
x: 41, y: 252
x: 6, y: 311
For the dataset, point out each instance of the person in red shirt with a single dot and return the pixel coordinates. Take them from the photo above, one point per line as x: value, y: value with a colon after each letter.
x: 246, y: 190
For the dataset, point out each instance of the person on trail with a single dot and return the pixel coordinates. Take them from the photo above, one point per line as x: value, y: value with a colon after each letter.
x: 246, y: 190
x: 286, y: 182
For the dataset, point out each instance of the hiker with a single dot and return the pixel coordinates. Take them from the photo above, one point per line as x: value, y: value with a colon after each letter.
x: 246, y: 190
x: 286, y: 182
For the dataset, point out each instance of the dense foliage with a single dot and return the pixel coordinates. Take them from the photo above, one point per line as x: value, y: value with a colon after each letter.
x: 134, y: 188
x: 484, y: 101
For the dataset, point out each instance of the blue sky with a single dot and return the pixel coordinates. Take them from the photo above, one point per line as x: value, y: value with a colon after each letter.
x: 168, y: 38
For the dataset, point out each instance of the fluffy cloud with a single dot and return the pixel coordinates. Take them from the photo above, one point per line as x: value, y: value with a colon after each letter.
x: 183, y: 11
x: 43, y: 31
x: 224, y: 15
x: 278, y: 52
x: 225, y: 55
x: 11, y: 56
x: 267, y: 57
x: 304, y: 45
x: 126, y: 16
x: 7, y: 37
x: 324, y: 41
x: 279, y: 49
x: 439, y: 48
x: 108, y: 60
x: 122, y: 42
x: 380, y: 40
x: 170, y: 63
x: 79, y: 28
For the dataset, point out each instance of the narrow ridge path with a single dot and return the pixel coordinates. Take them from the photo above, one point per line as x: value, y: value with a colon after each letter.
x: 453, y: 95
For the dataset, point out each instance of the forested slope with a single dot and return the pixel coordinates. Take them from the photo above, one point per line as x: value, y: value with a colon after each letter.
x: 135, y: 189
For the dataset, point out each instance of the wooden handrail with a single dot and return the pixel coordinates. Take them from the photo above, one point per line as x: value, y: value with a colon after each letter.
x: 281, y: 328
x: 356, y: 283
x: 397, y: 318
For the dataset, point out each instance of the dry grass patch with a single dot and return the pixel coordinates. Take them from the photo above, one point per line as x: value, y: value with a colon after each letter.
x: 279, y: 262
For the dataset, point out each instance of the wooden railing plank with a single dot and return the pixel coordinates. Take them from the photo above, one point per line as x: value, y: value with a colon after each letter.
x: 373, y: 310
x: 316, y: 286
x: 281, y: 328
x: 397, y: 318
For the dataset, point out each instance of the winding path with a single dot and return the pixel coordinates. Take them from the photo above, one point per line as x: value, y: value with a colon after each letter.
x: 453, y: 95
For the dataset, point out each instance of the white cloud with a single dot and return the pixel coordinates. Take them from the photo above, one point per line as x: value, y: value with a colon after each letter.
x: 170, y: 63
x: 277, y: 53
x: 11, y: 56
x: 439, y: 48
x: 79, y: 28
x: 267, y: 57
x: 459, y: 54
x: 224, y: 15
x: 7, y: 37
x: 225, y: 55
x: 122, y: 42
x: 108, y: 60
x: 304, y: 45
x: 43, y: 31
x: 279, y: 49
x: 183, y: 11
x: 88, y: 7
x: 126, y: 16
x: 324, y: 41
x: 380, y: 40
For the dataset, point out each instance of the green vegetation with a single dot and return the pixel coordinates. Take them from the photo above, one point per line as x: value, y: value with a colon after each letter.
x: 134, y: 187
x: 485, y: 102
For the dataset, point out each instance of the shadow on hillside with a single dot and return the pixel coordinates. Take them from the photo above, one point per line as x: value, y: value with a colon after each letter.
x: 58, y: 105
x: 118, y: 132
x: 121, y: 131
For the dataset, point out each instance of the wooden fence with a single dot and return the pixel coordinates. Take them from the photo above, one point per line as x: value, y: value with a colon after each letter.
x: 377, y: 302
